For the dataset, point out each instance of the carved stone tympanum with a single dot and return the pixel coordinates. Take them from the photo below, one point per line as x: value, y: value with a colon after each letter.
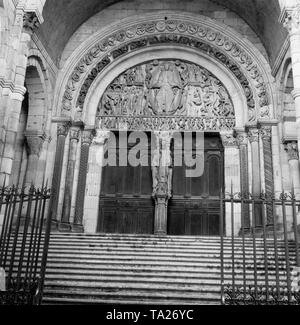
x: 178, y: 94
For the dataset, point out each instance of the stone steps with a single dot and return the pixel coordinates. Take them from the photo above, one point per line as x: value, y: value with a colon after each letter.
x: 123, y: 269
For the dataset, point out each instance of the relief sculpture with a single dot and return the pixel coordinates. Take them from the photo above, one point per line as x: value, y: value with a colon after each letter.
x: 165, y: 89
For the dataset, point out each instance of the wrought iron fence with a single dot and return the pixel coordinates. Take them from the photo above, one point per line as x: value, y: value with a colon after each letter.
x: 24, y: 242
x: 259, y: 249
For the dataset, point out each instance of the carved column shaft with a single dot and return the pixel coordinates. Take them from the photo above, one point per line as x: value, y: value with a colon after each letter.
x: 290, y: 18
x: 291, y: 148
x: 74, y: 137
x: 266, y: 135
x: 253, y: 136
x: 86, y: 140
x: 62, y: 131
x: 242, y: 141
x: 232, y: 181
x: 35, y: 144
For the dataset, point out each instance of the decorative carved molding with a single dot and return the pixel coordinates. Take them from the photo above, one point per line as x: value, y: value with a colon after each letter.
x: 30, y: 21
x: 177, y: 123
x: 291, y: 148
x: 253, y: 135
x: 295, y: 93
x: 199, y: 37
x: 291, y: 19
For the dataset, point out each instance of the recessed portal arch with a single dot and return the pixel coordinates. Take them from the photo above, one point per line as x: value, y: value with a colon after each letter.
x: 105, y: 78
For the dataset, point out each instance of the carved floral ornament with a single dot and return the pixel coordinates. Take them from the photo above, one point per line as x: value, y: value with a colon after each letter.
x: 30, y: 21
x: 291, y: 147
x: 196, y: 36
x: 292, y: 19
x: 166, y: 95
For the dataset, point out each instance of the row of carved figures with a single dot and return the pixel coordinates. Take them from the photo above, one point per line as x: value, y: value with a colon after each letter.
x: 167, y: 88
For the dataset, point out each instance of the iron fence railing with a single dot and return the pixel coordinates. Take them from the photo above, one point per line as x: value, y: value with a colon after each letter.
x: 24, y: 242
x: 259, y: 257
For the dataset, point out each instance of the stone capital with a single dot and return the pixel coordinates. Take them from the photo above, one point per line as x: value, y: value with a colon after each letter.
x: 35, y: 144
x: 101, y: 137
x: 74, y: 133
x: 63, y: 129
x: 253, y: 135
x: 30, y: 22
x: 290, y: 18
x: 266, y: 132
x: 228, y: 140
x: 291, y: 147
x: 242, y: 139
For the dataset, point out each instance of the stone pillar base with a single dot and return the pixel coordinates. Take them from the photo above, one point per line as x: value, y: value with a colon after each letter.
x: 77, y: 228
x: 54, y: 225
x: 160, y: 233
x: 64, y: 227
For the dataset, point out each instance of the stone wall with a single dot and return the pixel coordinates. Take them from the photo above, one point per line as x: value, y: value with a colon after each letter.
x: 125, y: 9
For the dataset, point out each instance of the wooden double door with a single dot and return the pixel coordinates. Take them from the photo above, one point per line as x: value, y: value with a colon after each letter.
x: 127, y: 206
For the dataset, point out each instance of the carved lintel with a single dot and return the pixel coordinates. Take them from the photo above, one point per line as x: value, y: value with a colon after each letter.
x: 30, y: 21
x: 291, y: 147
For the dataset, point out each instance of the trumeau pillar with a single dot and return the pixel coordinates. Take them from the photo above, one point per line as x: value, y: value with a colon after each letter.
x: 290, y: 17
x: 253, y: 136
x: 242, y: 142
x: 162, y: 172
x: 74, y: 138
x: 86, y: 140
x: 62, y: 132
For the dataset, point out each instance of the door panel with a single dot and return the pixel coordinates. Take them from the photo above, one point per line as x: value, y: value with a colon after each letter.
x: 194, y: 208
x: 126, y: 205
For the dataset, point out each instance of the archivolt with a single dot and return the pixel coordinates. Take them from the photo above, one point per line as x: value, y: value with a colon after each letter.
x: 202, y: 34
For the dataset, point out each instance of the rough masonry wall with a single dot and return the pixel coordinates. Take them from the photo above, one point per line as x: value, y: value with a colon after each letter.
x: 128, y: 8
